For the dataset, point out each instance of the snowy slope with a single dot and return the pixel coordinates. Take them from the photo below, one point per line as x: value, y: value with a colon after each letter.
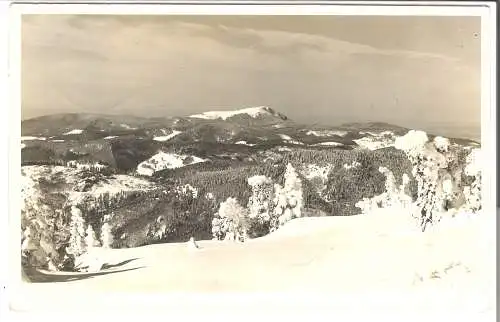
x: 328, y: 144
x: 244, y: 143
x: 326, y: 133
x: 252, y: 112
x: 113, y: 185
x: 164, y: 138
x: 360, y: 258
x: 289, y: 139
x: 128, y: 127
x: 74, y: 131
x: 162, y: 161
x: 375, y: 141
x: 31, y: 138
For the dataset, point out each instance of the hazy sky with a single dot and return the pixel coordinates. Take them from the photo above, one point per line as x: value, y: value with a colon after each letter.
x: 411, y: 71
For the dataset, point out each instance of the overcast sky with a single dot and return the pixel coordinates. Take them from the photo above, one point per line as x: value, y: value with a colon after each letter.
x: 412, y: 71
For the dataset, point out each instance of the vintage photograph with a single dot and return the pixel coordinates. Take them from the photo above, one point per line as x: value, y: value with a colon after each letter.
x: 253, y: 153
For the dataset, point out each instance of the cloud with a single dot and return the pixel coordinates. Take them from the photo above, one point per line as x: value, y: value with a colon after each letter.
x: 280, y: 42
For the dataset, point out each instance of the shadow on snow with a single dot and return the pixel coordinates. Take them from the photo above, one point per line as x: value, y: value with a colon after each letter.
x: 33, y: 275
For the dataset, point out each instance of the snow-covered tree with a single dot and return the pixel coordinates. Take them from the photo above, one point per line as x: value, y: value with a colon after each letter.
x: 220, y: 227
x: 391, y: 190
x: 412, y: 143
x: 90, y: 238
x: 442, y: 144
x: 473, y: 191
x: 158, y: 230
x: 77, y: 245
x: 231, y: 221
x: 280, y: 203
x: 404, y: 194
x: 430, y: 162
x: 293, y: 188
x: 288, y: 200
x: 106, y: 235
x: 28, y: 243
x: 260, y: 205
x: 260, y: 202
x: 393, y: 196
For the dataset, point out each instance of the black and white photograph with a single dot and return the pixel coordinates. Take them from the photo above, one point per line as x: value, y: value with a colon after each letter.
x: 221, y: 153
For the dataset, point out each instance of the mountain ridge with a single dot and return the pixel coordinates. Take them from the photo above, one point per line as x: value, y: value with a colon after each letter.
x: 211, y: 115
x: 259, y: 116
x: 126, y: 141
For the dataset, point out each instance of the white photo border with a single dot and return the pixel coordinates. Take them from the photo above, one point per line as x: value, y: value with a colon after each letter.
x: 184, y: 304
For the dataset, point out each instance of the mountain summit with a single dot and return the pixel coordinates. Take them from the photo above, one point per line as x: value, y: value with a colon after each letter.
x: 254, y: 112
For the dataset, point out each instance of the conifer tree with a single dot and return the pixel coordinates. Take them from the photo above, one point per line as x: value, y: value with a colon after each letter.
x: 429, y: 161
x: 288, y: 199
x: 231, y: 221
x: 90, y: 238
x: 77, y: 245
x: 106, y: 235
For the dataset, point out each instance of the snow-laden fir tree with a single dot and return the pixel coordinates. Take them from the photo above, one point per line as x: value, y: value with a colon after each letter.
x: 90, y: 238
x: 27, y: 242
x: 293, y: 189
x: 260, y: 202
x: 393, y: 196
x: 77, y: 245
x: 390, y: 187
x: 260, y: 205
x: 230, y: 222
x: 442, y: 144
x: 430, y: 161
x: 473, y: 191
x: 404, y: 194
x: 158, y: 230
x: 106, y: 235
x: 288, y: 200
x: 448, y: 175
x: 220, y: 226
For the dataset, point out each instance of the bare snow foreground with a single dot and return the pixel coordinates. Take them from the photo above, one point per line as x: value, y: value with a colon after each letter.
x: 367, y: 262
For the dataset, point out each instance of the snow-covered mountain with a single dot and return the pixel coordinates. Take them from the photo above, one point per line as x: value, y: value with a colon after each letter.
x: 257, y: 126
x: 253, y: 112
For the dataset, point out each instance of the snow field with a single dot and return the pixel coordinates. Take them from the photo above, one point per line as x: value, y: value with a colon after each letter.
x: 162, y: 160
x: 213, y: 115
